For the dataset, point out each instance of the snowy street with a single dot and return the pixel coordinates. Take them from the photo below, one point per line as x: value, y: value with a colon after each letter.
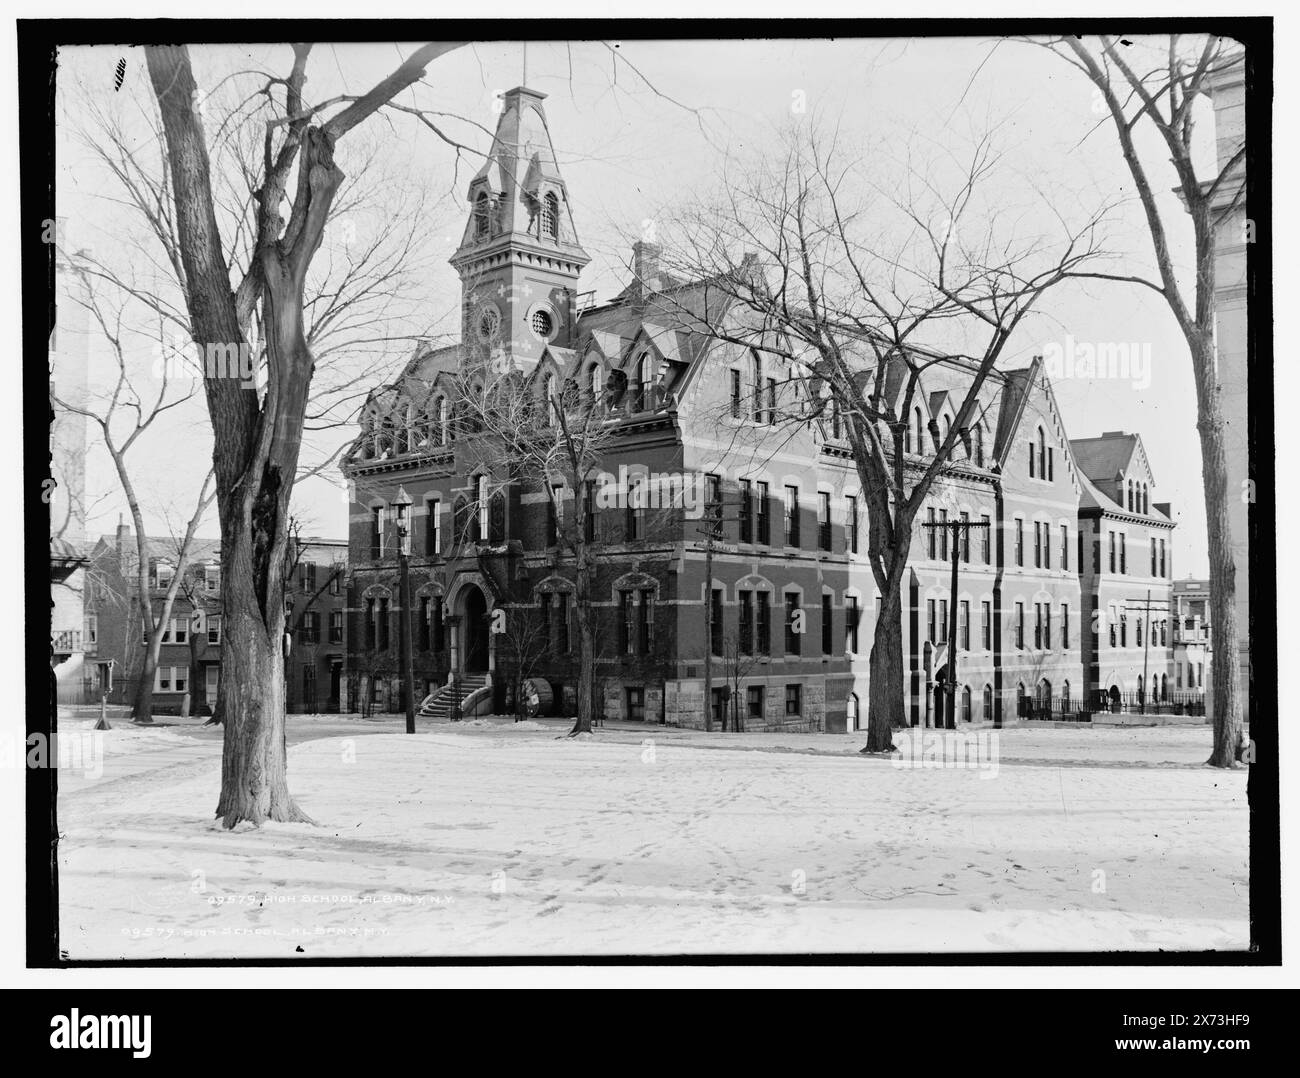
x: 501, y: 839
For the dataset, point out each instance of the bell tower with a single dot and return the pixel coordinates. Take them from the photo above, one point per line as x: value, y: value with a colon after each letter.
x: 519, y: 258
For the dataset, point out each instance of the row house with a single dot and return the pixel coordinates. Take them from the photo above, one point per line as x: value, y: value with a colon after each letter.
x: 189, y: 657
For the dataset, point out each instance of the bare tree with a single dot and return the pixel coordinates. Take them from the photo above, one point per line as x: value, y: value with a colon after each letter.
x: 1158, y: 84
x: 848, y: 282
x: 558, y: 444
x: 258, y: 436
x: 124, y: 412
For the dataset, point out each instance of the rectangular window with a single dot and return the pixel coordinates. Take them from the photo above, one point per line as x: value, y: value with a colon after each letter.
x: 771, y: 402
x: 943, y: 534
x: 1047, y: 626
x: 1123, y: 549
x: 1020, y: 626
x: 931, y: 630
x: 943, y: 621
x: 544, y: 616
x: 436, y: 624
x: 1047, y: 545
x: 764, y: 623
x: 851, y: 523
x: 1162, y: 558
x: 823, y: 520
x: 1065, y: 547
x: 336, y: 579
x: 1051, y: 463
x: 793, y: 624
x: 566, y: 637
x: 180, y: 631
x: 986, y: 539
x: 336, y: 627
x: 635, y: 522
x: 376, y: 532
x: 964, y: 538
x: 828, y: 644
x: 432, y: 526
x: 713, y: 503
x: 1153, y: 557
x: 212, y: 578
x: 381, y: 615
x: 754, y: 700
x: 963, y: 624
x: 1178, y: 675
x: 792, y: 516
x: 986, y: 625
x: 746, y: 511
x: 645, y: 622
x: 932, y: 535
x: 1032, y: 456
x: 1038, y: 545
x: 625, y: 630
x: 746, y: 645
x: 1065, y: 626
x: 307, y: 576
x: 852, y: 616
x: 371, y: 628
x: 1020, y: 542
x: 793, y: 700
x: 735, y: 394
x: 1111, y: 537
x: 214, y: 628
x: 764, y: 516
x: 715, y: 626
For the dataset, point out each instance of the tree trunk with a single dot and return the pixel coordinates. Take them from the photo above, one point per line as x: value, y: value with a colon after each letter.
x: 886, y: 708
x: 1224, y: 670
x: 586, y: 668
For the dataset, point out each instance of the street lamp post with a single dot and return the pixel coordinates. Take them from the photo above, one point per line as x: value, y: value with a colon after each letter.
x: 960, y: 534
x: 402, y: 504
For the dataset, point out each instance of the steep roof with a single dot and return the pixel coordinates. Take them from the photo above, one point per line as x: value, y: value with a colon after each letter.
x: 1106, y: 457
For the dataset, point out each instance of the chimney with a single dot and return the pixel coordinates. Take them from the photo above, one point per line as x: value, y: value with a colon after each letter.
x: 645, y: 267
x: 123, y: 538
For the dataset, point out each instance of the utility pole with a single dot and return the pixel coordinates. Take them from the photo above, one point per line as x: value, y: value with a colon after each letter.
x: 711, y: 532
x: 960, y: 531
x: 403, y: 505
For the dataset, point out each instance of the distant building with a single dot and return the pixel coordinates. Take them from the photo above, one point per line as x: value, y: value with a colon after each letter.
x: 1193, y: 641
x: 189, y: 658
x: 1126, y: 569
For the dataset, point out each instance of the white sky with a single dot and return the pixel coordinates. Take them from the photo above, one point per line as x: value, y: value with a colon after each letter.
x: 629, y: 155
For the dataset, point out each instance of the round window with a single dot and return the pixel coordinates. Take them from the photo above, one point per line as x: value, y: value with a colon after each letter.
x: 542, y: 323
x: 489, y: 323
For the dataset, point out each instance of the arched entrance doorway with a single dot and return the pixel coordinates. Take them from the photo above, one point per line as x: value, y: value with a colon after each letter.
x: 474, y: 618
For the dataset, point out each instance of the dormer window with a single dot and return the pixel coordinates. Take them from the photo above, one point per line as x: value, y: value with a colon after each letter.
x: 482, y: 216
x: 551, y: 216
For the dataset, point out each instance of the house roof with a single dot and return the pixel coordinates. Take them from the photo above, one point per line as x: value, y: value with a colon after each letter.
x: 1106, y: 457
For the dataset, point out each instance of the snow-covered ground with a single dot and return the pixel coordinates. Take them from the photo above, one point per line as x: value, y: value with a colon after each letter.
x: 504, y: 839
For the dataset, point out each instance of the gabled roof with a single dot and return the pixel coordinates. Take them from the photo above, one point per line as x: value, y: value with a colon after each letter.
x: 1107, y: 457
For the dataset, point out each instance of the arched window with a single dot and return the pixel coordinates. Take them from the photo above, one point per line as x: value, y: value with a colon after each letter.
x: 551, y: 216
x: 1164, y: 687
x: 1146, y: 496
x: 548, y: 390
x: 920, y: 431
x: 1042, y: 454
x: 1130, y: 495
x: 1140, y: 697
x: 988, y: 703
x: 595, y: 384
x: 1137, y: 632
x: 1044, y: 694
x: 1065, y: 695
x: 482, y: 216
x: 1022, y: 700
x: 851, y: 713
x: 497, y: 518
x: 965, y: 703
x: 444, y: 434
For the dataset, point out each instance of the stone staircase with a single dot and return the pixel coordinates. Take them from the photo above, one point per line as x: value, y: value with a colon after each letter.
x: 439, y: 704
